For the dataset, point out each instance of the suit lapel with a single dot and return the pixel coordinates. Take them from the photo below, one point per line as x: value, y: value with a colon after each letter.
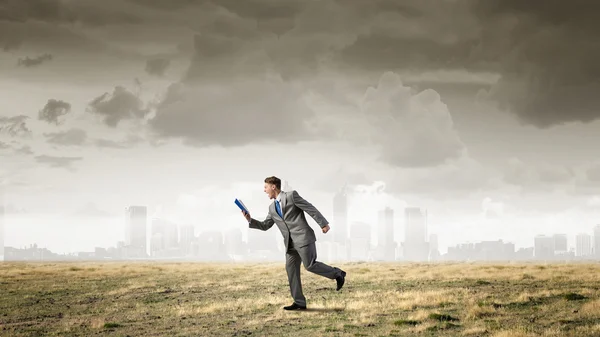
x: 283, y: 202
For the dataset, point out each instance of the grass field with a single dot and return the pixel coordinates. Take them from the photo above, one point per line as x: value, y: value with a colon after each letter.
x: 379, y: 299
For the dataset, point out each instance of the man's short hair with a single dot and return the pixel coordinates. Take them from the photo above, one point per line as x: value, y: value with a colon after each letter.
x: 274, y: 180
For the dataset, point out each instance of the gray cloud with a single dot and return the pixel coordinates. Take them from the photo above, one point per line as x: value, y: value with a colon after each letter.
x: 122, y: 104
x: 25, y: 150
x: 538, y: 177
x: 58, y: 162
x: 415, y: 129
x: 157, y: 66
x: 36, y: 61
x: 91, y: 210
x: 69, y: 137
x: 544, y: 82
x: 124, y: 144
x: 4, y: 145
x: 456, y: 177
x: 233, y: 113
x: 53, y: 110
x: 15, y: 126
x: 593, y: 173
x: 11, y: 44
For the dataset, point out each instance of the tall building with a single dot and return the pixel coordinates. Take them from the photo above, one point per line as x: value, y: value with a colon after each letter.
x: 167, y: 231
x: 285, y: 186
x: 385, y: 238
x: 544, y: 247
x: 340, y: 216
x: 416, y: 247
x: 186, y: 237
x: 135, y: 230
x: 583, y: 245
x: 597, y: 241
x: 560, y: 243
x: 434, y: 251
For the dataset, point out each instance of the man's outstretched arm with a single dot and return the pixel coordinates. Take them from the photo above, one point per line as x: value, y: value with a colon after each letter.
x: 262, y: 225
x: 310, y: 209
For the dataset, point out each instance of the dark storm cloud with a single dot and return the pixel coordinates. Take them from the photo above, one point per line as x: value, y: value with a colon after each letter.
x: 70, y: 12
x: 157, y: 66
x: 59, y: 162
x: 122, y: 104
x: 549, y: 66
x: 15, y: 126
x: 11, y: 44
x: 53, y: 110
x: 546, y: 55
x: 36, y: 61
x: 69, y: 137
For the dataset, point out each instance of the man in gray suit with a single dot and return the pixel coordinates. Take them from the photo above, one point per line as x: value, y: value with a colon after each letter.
x: 287, y: 212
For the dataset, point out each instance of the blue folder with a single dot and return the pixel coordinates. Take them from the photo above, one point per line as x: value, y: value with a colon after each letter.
x: 241, y: 205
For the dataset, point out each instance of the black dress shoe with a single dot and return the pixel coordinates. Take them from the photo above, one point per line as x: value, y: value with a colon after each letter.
x: 294, y: 306
x: 340, y: 280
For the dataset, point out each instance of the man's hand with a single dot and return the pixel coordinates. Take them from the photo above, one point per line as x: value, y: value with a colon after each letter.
x: 246, y: 215
x: 325, y: 229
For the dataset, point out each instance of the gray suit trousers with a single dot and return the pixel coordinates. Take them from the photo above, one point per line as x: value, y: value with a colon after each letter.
x: 306, y: 255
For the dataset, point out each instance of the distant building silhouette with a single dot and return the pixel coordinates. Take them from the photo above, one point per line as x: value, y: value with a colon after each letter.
x: 560, y: 243
x: 583, y: 245
x: 340, y: 216
x: 209, y: 246
x: 415, y: 245
x: 164, y: 238
x: 544, y: 247
x: 135, y: 231
x: 186, y: 237
x: 386, y: 246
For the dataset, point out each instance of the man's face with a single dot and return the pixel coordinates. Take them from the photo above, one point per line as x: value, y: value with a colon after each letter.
x: 270, y: 190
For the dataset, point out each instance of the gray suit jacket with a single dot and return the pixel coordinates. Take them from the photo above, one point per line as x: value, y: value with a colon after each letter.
x: 293, y: 224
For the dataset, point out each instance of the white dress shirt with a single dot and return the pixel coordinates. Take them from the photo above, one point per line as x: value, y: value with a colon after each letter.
x: 278, y: 198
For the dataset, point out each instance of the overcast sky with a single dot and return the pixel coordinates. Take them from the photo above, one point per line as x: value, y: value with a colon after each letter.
x: 485, y: 113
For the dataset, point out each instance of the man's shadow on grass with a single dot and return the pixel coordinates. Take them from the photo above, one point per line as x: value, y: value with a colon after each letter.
x: 325, y: 309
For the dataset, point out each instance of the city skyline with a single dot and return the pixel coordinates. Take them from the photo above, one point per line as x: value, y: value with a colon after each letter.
x: 149, y: 237
x: 486, y: 117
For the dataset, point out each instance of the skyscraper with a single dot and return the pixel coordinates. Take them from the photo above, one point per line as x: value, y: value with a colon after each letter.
x: 415, y: 235
x: 186, y: 237
x: 583, y: 245
x: 544, y: 247
x: 340, y: 216
x: 385, y: 238
x: 135, y: 230
x: 560, y: 243
x: 597, y: 240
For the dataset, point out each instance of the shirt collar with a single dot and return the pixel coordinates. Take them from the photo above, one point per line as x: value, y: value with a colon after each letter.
x: 278, y: 197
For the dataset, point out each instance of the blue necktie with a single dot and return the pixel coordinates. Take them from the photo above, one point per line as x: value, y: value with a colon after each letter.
x: 278, y: 208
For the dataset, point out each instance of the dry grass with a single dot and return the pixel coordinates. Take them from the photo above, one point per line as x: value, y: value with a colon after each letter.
x: 191, y: 299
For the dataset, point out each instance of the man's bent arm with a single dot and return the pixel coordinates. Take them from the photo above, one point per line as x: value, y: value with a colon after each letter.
x: 262, y: 225
x: 310, y: 209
